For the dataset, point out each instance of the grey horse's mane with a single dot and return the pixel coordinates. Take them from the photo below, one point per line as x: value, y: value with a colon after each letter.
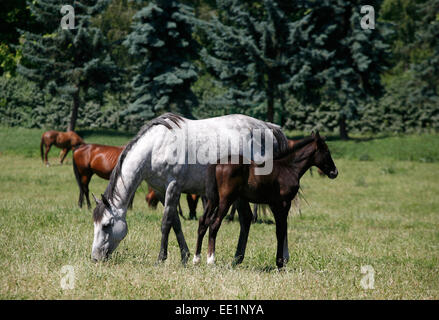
x: 110, y: 191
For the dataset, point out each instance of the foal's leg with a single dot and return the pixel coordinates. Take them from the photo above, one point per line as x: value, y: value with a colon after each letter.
x: 280, y: 215
x: 203, y: 224
x: 215, y: 224
x: 171, y: 219
x: 245, y: 218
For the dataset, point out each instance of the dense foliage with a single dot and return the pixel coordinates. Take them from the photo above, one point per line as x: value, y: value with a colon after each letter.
x: 161, y: 39
x: 303, y: 64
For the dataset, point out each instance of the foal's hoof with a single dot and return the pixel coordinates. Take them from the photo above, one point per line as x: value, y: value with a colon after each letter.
x: 211, y: 259
x: 161, y: 259
x: 196, y: 260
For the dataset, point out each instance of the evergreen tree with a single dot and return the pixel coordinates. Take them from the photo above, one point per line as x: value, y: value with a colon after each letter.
x: 350, y: 74
x: 251, y: 50
x: 161, y: 39
x: 71, y: 63
x: 13, y: 14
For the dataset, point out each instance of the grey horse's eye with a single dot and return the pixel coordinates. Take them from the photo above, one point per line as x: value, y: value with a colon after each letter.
x: 110, y: 223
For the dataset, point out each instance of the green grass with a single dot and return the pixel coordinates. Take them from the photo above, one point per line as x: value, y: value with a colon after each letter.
x: 379, y: 212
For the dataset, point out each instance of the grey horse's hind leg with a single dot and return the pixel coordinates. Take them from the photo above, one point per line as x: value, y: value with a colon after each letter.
x: 171, y: 219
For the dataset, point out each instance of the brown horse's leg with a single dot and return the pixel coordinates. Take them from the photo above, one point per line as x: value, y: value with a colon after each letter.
x: 255, y: 212
x: 280, y: 215
x: 245, y: 218
x: 48, y: 146
x: 223, y: 208
x: 85, y: 180
x: 192, y: 203
x: 65, y: 151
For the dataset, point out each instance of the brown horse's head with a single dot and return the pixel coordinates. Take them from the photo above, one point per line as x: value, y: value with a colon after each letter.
x: 322, y: 157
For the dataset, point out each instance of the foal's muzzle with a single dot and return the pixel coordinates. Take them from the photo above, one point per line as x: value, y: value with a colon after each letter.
x: 333, y: 174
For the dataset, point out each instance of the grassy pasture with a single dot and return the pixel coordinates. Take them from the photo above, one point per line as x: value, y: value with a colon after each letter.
x: 382, y: 211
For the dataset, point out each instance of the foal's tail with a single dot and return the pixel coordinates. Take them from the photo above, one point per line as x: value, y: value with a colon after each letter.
x: 211, y: 185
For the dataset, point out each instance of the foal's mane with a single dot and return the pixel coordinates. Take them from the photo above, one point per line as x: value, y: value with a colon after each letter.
x: 297, y: 146
x: 111, y: 191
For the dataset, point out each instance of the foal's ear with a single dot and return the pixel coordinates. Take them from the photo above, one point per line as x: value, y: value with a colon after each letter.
x: 94, y: 197
x: 105, y: 201
x: 316, y: 134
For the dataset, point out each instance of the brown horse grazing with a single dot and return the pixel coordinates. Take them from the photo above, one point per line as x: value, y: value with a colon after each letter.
x: 64, y: 140
x: 92, y: 159
x: 229, y: 182
x: 192, y: 202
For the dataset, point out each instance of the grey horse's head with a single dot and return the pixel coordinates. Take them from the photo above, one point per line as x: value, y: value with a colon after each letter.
x: 110, y: 228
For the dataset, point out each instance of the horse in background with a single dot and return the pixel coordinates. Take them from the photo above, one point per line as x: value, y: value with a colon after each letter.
x: 91, y: 159
x: 192, y: 202
x: 64, y: 140
x: 227, y: 182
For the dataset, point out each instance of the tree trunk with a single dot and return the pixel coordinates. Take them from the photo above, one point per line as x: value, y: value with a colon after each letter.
x: 270, y: 106
x: 74, y: 114
x: 343, y: 129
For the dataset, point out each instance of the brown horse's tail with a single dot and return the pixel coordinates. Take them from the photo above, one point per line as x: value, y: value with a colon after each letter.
x: 41, y: 149
x: 76, y: 171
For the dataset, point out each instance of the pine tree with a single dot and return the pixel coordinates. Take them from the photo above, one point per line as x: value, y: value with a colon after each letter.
x: 350, y: 74
x: 161, y: 40
x: 252, y: 52
x: 71, y: 63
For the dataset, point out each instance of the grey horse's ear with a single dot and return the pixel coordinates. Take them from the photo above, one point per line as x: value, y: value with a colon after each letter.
x: 105, y: 201
x: 96, y: 200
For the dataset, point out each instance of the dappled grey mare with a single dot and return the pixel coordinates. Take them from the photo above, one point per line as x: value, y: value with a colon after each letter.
x: 152, y: 156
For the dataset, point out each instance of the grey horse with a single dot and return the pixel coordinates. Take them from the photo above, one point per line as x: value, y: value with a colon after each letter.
x: 172, y: 154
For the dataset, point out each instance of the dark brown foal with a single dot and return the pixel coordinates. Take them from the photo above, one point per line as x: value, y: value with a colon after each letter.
x: 229, y: 182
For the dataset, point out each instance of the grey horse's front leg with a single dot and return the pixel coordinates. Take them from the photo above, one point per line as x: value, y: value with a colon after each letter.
x: 171, y: 219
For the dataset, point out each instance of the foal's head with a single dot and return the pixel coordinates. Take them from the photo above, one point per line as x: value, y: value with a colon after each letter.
x: 109, y: 229
x: 322, y: 157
